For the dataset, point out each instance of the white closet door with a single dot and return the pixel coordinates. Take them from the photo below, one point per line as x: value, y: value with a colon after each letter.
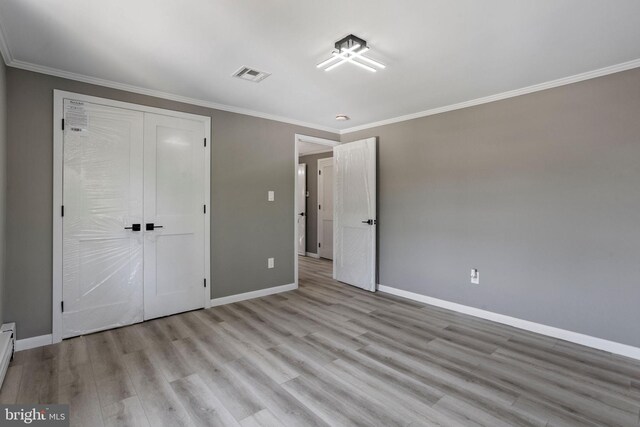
x: 102, y: 195
x: 355, y: 213
x: 301, y: 216
x: 325, y: 208
x: 174, y: 174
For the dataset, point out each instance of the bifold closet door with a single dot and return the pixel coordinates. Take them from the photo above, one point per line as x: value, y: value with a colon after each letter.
x: 102, y: 255
x: 174, y: 174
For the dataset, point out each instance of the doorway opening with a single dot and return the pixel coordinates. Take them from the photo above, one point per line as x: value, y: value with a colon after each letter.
x: 347, y: 209
x: 313, y: 204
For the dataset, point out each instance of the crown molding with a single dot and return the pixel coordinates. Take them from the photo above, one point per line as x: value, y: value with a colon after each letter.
x: 11, y: 62
x: 6, y: 53
x: 4, y: 47
x: 159, y: 94
x: 504, y: 95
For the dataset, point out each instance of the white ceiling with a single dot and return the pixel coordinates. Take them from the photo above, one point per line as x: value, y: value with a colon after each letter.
x: 438, y: 53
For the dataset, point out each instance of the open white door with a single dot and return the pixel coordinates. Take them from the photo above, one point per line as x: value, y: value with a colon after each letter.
x: 302, y: 209
x: 354, y: 260
x: 325, y: 208
x: 174, y: 220
x: 102, y: 198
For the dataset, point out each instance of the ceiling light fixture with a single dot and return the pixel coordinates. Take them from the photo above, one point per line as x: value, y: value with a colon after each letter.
x: 350, y: 49
x: 342, y: 117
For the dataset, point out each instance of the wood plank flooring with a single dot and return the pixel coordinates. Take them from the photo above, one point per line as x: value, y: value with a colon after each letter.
x: 327, y: 354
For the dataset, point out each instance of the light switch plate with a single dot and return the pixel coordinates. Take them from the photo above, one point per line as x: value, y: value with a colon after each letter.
x: 271, y: 196
x: 270, y: 263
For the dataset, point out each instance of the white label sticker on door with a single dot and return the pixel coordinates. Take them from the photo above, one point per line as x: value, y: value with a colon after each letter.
x: 75, y: 116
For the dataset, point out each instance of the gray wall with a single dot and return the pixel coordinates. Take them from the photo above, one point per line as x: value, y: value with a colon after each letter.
x: 249, y: 157
x: 540, y: 192
x: 3, y: 170
x: 312, y: 200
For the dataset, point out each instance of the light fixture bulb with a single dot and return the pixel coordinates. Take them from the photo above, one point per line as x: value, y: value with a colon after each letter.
x: 366, y: 67
x: 327, y: 62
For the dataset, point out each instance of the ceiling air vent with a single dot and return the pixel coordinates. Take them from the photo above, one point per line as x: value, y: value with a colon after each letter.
x: 246, y: 73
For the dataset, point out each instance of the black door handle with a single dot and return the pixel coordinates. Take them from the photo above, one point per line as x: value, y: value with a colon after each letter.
x: 301, y: 214
x: 151, y: 226
x: 369, y: 221
x: 134, y: 227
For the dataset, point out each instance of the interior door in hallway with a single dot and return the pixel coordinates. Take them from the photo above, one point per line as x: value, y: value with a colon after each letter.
x: 325, y: 208
x: 102, y: 249
x: 174, y: 220
x: 355, y: 213
x: 301, y: 216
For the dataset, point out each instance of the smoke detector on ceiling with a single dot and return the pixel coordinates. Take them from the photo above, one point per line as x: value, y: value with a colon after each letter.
x: 250, y: 74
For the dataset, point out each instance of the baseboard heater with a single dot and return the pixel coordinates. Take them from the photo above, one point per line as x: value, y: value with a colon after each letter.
x: 7, y: 346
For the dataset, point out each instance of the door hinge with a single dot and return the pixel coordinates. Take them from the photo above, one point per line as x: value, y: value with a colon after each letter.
x: 319, y: 244
x: 62, y: 124
x: 319, y: 172
x: 62, y: 210
x: 205, y: 142
x: 62, y: 306
x: 319, y: 207
x: 205, y: 208
x: 205, y: 283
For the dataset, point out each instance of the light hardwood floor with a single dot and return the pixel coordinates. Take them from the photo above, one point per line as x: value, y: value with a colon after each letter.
x: 327, y: 354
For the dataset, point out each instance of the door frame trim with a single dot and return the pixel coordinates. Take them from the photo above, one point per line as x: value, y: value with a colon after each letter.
x: 319, y: 226
x: 58, y: 163
x: 296, y: 154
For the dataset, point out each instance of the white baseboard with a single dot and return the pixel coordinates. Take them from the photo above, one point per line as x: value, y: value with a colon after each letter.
x: 312, y: 255
x: 254, y: 294
x: 42, y: 340
x: 575, y: 337
x: 33, y: 342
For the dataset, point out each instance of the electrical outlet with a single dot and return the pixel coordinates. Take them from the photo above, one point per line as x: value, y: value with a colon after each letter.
x: 475, y: 276
x: 271, y: 195
x: 270, y: 263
